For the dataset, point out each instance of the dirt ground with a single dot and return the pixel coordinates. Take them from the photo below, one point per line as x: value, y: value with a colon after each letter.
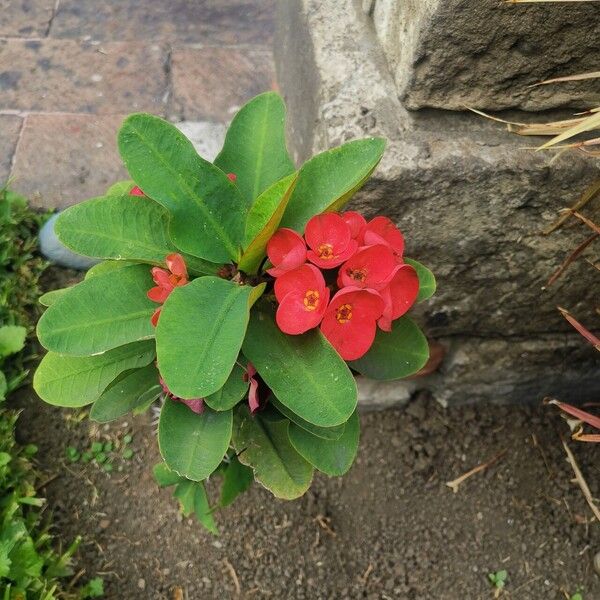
x: 390, y: 529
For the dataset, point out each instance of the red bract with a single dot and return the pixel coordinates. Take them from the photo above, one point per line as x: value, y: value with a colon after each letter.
x: 286, y: 251
x: 302, y: 296
x: 399, y: 295
x: 136, y: 191
x: 382, y: 230
x: 195, y: 405
x: 355, y: 221
x: 371, y: 267
x: 167, y: 281
x: 253, y: 399
x: 329, y: 238
x: 350, y: 322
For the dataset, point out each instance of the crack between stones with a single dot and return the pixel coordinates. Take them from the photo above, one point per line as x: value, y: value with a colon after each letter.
x: 51, y: 20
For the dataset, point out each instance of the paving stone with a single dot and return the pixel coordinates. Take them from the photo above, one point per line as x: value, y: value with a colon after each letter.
x: 10, y: 126
x: 25, y: 18
x: 69, y: 76
x: 212, y: 83
x: 64, y: 159
x: 202, y: 21
x: 206, y: 136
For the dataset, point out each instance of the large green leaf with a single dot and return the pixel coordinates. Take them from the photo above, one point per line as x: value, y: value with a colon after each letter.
x: 12, y: 340
x: 199, y: 335
x: 74, y: 381
x: 231, y: 393
x: 122, y: 228
x: 237, y: 478
x: 427, y: 283
x: 327, y: 433
x: 328, y: 180
x: 305, y: 373
x: 120, y: 188
x: 191, y: 444
x: 208, y: 213
x: 202, y: 509
x: 49, y: 298
x: 100, y: 313
x: 394, y: 355
x: 164, y: 476
x: 264, y: 445
x: 333, y: 457
x: 255, y: 147
x: 263, y: 219
x: 129, y: 391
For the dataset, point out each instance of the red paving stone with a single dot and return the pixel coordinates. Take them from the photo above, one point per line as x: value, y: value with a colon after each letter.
x: 63, y: 159
x: 212, y: 83
x: 25, y: 18
x: 182, y: 21
x: 10, y: 126
x: 69, y: 76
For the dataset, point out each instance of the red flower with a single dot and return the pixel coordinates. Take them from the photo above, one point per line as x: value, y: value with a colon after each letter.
x: 136, y: 191
x: 302, y: 296
x: 381, y: 230
x: 232, y: 176
x: 286, y: 251
x: 399, y: 295
x: 329, y: 238
x: 356, y: 222
x: 195, y: 405
x: 371, y: 267
x: 167, y: 281
x: 350, y: 322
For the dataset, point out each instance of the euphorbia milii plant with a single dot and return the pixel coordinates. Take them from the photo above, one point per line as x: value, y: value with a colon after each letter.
x: 241, y: 296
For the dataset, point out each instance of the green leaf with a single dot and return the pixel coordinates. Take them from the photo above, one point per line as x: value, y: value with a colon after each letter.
x: 3, y: 387
x: 232, y: 391
x: 255, y: 148
x: 427, y: 283
x: 107, y: 266
x: 305, y: 373
x: 49, y: 298
x: 120, y: 188
x: 333, y: 457
x: 164, y: 476
x: 208, y: 213
x: 185, y: 492
x: 327, y: 433
x: 193, y: 444
x: 395, y: 355
x: 74, y: 381
x: 236, y: 480
x: 12, y: 339
x: 122, y: 228
x: 264, y: 445
x: 128, y: 392
x: 100, y: 313
x: 202, y: 509
x: 199, y: 335
x: 263, y: 220
x: 328, y: 180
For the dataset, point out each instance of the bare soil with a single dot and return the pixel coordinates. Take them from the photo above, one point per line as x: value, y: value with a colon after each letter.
x: 390, y: 529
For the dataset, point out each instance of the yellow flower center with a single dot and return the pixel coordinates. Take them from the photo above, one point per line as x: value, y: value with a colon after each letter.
x: 343, y: 313
x: 357, y: 274
x: 325, y: 251
x: 311, y: 300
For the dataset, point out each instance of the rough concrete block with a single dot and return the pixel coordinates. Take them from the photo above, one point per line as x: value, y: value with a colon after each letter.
x: 470, y: 199
x: 485, y: 54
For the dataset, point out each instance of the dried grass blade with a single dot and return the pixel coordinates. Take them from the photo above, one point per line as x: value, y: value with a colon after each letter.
x: 588, y: 124
x: 586, y: 333
x: 581, y: 481
x: 571, y: 258
x: 578, y: 77
x: 582, y: 415
x: 589, y: 193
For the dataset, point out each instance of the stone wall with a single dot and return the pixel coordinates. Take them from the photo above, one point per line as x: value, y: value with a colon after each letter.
x: 471, y: 201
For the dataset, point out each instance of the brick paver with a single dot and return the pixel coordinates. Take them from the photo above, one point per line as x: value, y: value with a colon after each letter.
x: 71, y: 69
x: 10, y: 126
x: 70, y: 76
x: 182, y: 21
x: 25, y: 18
x: 63, y: 159
x: 212, y: 83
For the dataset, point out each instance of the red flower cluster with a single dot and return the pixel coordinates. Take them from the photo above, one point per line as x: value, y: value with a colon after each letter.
x: 374, y: 285
x: 167, y: 281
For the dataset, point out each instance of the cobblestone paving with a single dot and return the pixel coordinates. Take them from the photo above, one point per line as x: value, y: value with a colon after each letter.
x: 70, y: 70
